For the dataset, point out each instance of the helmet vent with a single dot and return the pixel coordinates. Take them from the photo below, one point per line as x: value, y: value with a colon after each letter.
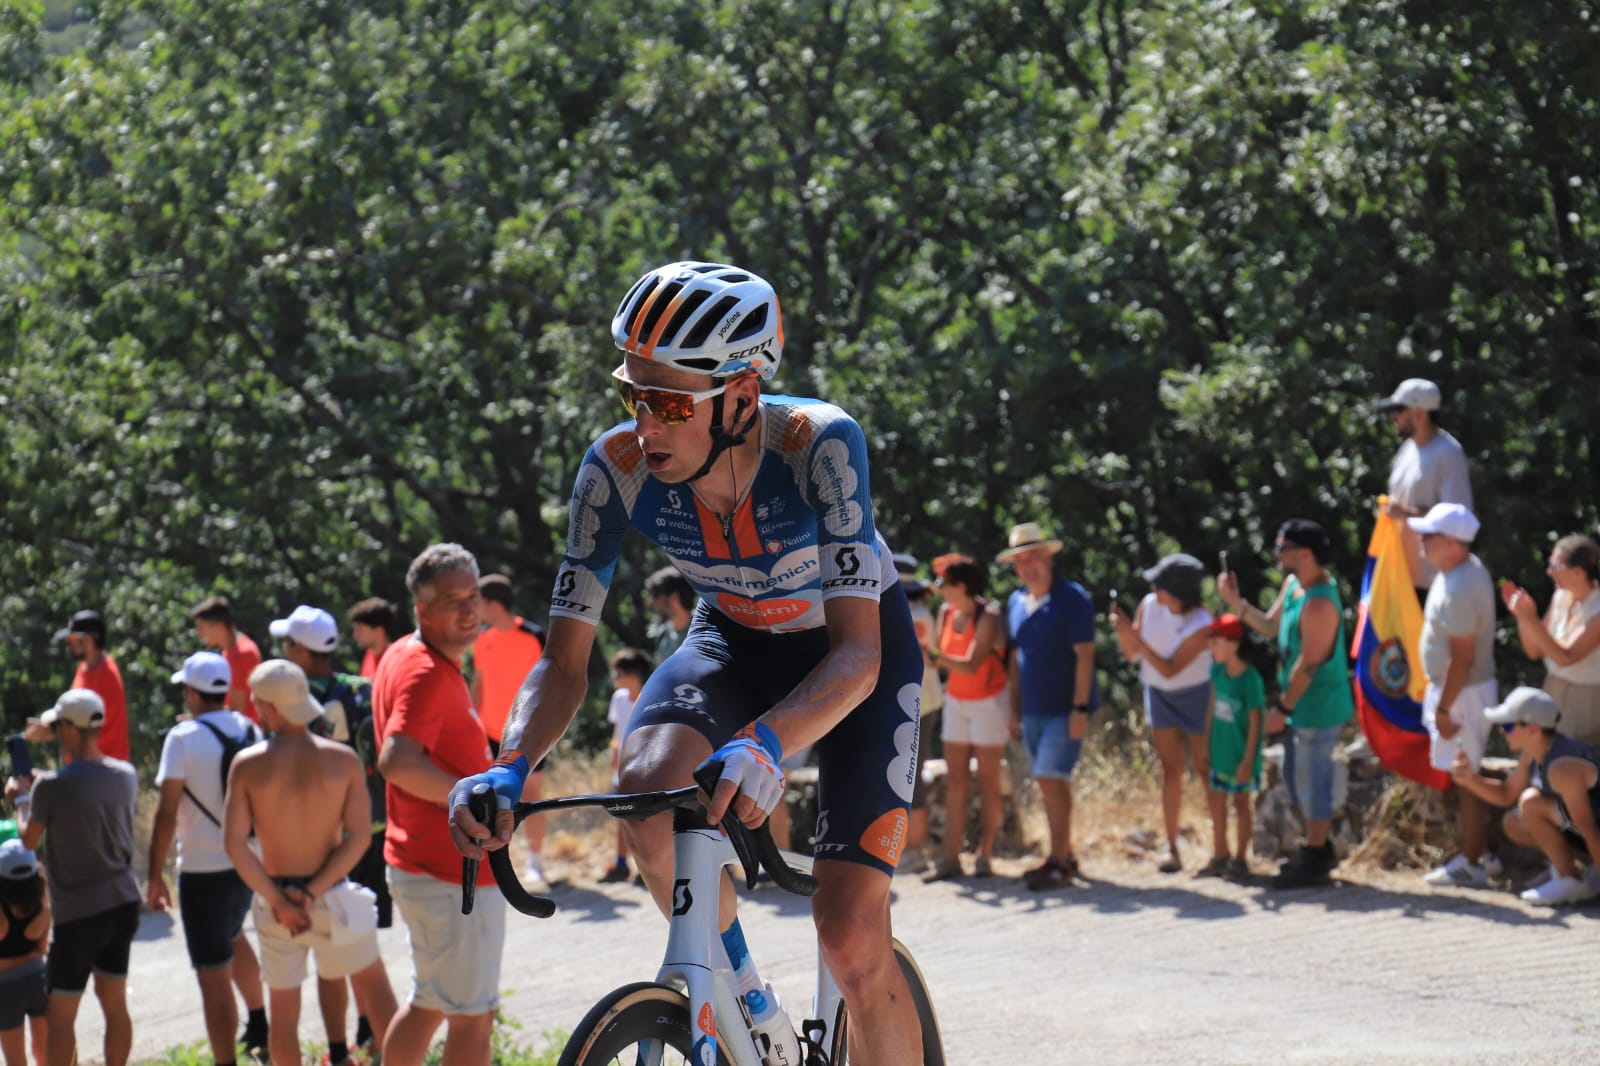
x: 659, y: 301
x: 754, y: 323
x: 702, y: 329
x: 635, y: 301
x: 700, y: 365
x: 690, y: 306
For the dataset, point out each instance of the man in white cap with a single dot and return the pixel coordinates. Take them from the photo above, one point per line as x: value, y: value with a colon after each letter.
x: 1555, y: 793
x: 1050, y: 626
x: 84, y: 814
x: 1429, y: 468
x: 1457, y: 649
x: 212, y: 899
x: 305, y: 799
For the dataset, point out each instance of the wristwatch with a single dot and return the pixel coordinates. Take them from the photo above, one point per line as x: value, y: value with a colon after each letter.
x: 1080, y: 708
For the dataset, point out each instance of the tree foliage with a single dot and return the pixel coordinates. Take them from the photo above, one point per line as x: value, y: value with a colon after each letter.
x: 291, y: 290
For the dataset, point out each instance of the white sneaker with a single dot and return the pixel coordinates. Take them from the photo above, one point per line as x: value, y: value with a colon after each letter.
x: 534, y: 880
x: 1493, y: 866
x: 1459, y: 872
x: 1559, y: 890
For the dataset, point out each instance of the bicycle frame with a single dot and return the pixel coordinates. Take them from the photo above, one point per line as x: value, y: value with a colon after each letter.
x: 696, y: 962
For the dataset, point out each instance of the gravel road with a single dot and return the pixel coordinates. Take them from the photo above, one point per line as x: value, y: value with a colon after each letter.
x: 1133, y: 967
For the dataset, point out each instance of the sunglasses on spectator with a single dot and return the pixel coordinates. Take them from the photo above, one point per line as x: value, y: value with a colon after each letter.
x: 1508, y: 727
x: 670, y: 407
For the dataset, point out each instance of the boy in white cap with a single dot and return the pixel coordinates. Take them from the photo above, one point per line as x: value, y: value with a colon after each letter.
x: 1429, y: 468
x: 1554, y: 793
x: 84, y: 813
x: 305, y: 798
x: 212, y: 899
x: 1457, y: 649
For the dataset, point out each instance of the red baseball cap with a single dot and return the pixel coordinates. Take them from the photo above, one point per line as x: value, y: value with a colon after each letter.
x: 1228, y: 625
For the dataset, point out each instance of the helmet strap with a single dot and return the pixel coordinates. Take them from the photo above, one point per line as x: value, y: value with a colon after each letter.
x: 722, y: 439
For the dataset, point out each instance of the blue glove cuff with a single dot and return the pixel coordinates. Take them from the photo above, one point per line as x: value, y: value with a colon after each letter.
x: 768, y: 740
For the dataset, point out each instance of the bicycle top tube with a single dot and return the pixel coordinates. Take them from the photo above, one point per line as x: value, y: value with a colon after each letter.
x: 756, y: 848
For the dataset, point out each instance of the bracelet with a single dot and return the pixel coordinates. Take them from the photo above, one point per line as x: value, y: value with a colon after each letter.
x: 1287, y: 712
x: 1080, y: 708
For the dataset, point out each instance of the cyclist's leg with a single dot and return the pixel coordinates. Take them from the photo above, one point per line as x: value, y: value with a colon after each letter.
x: 867, y: 768
x: 658, y: 758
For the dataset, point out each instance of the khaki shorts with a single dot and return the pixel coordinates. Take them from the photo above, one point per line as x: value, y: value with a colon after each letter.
x: 283, y: 957
x: 1468, y: 713
x: 1580, y: 708
x: 455, y: 957
x: 984, y: 723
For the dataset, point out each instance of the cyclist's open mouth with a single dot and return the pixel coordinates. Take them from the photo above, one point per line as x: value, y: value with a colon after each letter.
x: 657, y: 461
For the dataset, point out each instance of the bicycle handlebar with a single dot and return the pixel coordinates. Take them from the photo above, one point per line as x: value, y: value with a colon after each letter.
x: 755, y: 847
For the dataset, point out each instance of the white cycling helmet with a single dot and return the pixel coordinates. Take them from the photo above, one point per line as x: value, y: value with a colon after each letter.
x: 706, y: 318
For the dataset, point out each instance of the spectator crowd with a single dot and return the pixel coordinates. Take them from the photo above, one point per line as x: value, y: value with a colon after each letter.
x: 311, y: 800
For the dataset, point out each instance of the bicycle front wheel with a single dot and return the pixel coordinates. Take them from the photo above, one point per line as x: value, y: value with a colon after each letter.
x: 639, y: 1023
x: 927, y: 1019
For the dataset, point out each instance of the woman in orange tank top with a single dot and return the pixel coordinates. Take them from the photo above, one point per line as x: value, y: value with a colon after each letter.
x: 977, y: 710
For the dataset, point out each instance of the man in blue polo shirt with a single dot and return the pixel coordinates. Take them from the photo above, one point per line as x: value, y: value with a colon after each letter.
x: 1051, y: 625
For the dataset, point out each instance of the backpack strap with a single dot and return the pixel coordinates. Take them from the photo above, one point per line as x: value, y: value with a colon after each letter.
x: 250, y: 737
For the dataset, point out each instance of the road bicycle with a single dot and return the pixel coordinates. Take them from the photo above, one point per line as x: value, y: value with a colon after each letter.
x: 692, y: 1012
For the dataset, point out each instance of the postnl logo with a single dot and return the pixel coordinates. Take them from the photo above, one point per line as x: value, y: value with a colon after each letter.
x: 708, y: 1020
x: 774, y: 612
x: 885, y: 837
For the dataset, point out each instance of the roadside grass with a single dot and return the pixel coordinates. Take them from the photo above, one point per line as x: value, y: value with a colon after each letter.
x: 507, y: 1047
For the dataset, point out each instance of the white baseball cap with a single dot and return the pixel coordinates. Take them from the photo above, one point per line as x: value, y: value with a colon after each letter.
x: 311, y: 627
x: 1413, y: 392
x: 1526, y: 706
x: 205, y: 671
x: 1450, y: 519
x: 283, y: 684
x: 16, y: 861
x: 81, y: 707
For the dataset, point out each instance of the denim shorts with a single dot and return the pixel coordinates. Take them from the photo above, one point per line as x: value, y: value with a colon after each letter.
x: 1308, y: 770
x: 1179, y: 708
x: 1051, y: 749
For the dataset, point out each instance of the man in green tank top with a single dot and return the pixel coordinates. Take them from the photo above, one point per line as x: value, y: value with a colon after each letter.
x: 1314, y: 699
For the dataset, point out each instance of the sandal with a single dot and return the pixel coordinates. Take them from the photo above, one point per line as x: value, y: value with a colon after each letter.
x: 1238, y: 870
x: 1217, y: 867
x: 1170, y: 863
x: 983, y: 868
x: 943, y: 870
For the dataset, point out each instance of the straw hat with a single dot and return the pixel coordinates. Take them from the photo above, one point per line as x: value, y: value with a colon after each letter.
x: 1026, y: 536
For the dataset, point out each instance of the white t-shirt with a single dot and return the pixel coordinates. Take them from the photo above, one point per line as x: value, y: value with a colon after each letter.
x: 1421, y: 477
x: 618, y: 713
x: 1164, y: 632
x: 1460, y: 604
x: 1565, y: 625
x: 192, y: 755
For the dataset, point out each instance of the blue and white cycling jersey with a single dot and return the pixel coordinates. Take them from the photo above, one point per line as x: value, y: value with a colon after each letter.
x: 802, y: 533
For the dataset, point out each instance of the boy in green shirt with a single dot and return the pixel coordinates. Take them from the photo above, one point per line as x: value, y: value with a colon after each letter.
x: 1233, y: 737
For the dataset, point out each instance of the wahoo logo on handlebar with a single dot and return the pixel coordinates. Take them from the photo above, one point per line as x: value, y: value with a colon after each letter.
x: 756, y: 848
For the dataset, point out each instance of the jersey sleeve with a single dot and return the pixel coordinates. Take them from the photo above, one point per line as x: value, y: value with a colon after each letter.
x: 410, y: 712
x: 1080, y: 616
x: 837, y: 488
x: 609, y: 479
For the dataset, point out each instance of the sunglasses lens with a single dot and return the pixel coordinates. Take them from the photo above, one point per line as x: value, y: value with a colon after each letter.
x: 665, y: 406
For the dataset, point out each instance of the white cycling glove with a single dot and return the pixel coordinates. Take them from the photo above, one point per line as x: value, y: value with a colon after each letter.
x: 750, y: 760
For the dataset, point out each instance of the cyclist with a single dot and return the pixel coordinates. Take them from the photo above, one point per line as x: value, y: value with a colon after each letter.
x: 802, y: 634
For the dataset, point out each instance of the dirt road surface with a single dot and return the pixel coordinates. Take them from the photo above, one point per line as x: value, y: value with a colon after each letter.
x: 1134, y: 967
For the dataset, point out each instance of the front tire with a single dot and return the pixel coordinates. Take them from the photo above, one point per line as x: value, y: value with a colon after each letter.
x: 630, y: 1023
x: 927, y: 1018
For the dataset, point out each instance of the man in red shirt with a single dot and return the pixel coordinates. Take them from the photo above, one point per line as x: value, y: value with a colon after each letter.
x: 506, y: 650
x: 85, y: 634
x: 428, y: 737
x: 214, y: 628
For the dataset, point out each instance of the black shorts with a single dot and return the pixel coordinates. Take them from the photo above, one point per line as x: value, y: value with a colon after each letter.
x: 98, y: 944
x: 494, y: 753
x: 726, y: 676
x: 22, y: 994
x: 212, y: 906
x: 372, y: 872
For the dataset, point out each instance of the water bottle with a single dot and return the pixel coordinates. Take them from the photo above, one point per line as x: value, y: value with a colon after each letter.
x: 772, y: 1030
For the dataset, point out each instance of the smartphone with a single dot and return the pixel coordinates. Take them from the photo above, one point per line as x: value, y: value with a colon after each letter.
x: 17, y: 753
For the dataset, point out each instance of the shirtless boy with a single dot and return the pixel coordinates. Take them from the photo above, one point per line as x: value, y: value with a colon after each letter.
x: 306, y: 800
